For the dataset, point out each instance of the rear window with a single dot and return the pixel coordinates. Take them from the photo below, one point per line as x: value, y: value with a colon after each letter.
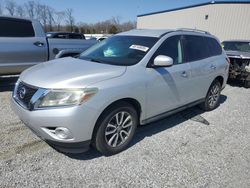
x: 195, y: 48
x: 214, y: 46
x: 16, y: 28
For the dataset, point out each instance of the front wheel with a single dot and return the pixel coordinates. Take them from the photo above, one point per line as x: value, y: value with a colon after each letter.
x: 115, y: 128
x: 213, y: 95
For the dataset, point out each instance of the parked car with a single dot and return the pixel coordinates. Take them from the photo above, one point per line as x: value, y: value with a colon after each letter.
x: 132, y: 78
x: 23, y: 43
x: 101, y: 38
x: 238, y: 52
x: 65, y: 35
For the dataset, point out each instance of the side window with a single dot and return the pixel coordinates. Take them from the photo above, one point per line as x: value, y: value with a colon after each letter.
x: 75, y: 36
x: 214, y: 46
x: 61, y: 36
x: 16, y: 28
x: 195, y: 48
x: 171, y: 47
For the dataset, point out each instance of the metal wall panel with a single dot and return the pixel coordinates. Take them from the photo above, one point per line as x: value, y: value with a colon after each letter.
x: 226, y: 21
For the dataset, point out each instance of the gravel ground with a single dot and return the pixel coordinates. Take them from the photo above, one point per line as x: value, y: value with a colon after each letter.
x: 189, y: 149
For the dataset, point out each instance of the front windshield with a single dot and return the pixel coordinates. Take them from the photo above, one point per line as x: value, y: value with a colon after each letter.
x: 236, y: 46
x: 120, y: 50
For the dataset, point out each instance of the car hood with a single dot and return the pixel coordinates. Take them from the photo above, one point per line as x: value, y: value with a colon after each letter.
x: 69, y: 73
x: 238, y: 54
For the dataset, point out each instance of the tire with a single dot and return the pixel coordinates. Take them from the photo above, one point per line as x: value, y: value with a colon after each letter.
x: 247, y: 84
x: 212, y: 98
x: 115, y: 128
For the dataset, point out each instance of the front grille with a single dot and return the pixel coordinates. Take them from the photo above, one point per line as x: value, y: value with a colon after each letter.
x: 24, y: 93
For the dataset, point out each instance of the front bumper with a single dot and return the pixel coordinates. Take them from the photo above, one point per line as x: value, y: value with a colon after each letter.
x: 79, y: 120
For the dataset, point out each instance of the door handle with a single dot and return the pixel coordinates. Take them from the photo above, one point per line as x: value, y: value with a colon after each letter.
x: 38, y: 43
x: 213, y: 67
x: 184, y: 74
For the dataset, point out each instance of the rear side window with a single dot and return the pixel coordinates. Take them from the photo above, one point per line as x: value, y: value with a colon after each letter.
x: 214, y: 47
x: 195, y: 48
x: 16, y: 28
x: 171, y: 47
x: 75, y: 36
x: 60, y: 36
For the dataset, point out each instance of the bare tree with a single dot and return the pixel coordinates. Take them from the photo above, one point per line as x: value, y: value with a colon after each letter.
x: 10, y: 6
x: 41, y: 14
x: 59, y: 17
x: 70, y: 20
x: 50, y: 14
x: 128, y: 26
x: 20, y: 11
x: 30, y: 8
x: 116, y: 20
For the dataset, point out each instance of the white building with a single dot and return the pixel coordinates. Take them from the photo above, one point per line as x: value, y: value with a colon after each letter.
x: 224, y: 19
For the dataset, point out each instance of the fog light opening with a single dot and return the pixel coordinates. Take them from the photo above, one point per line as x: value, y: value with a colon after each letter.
x: 62, y: 133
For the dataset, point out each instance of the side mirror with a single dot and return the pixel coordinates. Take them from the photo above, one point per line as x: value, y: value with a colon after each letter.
x: 163, y: 61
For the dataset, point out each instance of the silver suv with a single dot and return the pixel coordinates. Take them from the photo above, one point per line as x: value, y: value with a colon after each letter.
x: 132, y: 78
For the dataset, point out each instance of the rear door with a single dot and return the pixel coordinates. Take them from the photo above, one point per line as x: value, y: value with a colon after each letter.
x: 19, y: 46
x: 169, y: 87
x: 203, y: 69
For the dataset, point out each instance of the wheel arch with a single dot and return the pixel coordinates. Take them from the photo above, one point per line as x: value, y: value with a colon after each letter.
x: 135, y: 103
x: 220, y: 79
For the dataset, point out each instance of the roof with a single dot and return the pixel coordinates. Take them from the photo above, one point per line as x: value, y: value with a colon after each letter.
x: 16, y: 18
x: 158, y: 33
x: 196, y: 5
x: 146, y: 32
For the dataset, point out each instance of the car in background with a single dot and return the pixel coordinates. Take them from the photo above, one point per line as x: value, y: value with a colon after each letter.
x: 238, y: 52
x: 132, y: 78
x: 23, y: 44
x: 101, y: 38
x: 65, y: 35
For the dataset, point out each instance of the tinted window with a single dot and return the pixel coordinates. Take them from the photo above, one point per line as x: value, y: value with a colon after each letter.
x: 195, y: 48
x: 172, y: 48
x: 214, y: 46
x: 16, y: 28
x: 75, y: 36
x: 60, y: 36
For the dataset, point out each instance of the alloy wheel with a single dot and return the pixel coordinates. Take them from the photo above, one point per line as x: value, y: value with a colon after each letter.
x: 118, y: 129
x: 214, y: 95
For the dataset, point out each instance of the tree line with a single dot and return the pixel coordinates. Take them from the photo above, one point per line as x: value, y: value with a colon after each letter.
x: 54, y: 20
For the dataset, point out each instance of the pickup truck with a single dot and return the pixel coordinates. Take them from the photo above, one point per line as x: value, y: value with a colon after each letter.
x: 23, y: 43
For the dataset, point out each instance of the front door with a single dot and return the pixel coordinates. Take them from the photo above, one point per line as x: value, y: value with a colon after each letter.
x: 168, y: 87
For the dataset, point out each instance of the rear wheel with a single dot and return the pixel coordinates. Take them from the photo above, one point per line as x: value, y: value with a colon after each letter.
x: 212, y: 99
x: 115, y: 128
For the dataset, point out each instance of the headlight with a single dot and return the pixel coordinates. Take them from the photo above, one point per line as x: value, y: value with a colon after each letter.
x: 56, y: 98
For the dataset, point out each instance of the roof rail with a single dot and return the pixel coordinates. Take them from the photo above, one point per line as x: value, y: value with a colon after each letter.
x: 194, y: 30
